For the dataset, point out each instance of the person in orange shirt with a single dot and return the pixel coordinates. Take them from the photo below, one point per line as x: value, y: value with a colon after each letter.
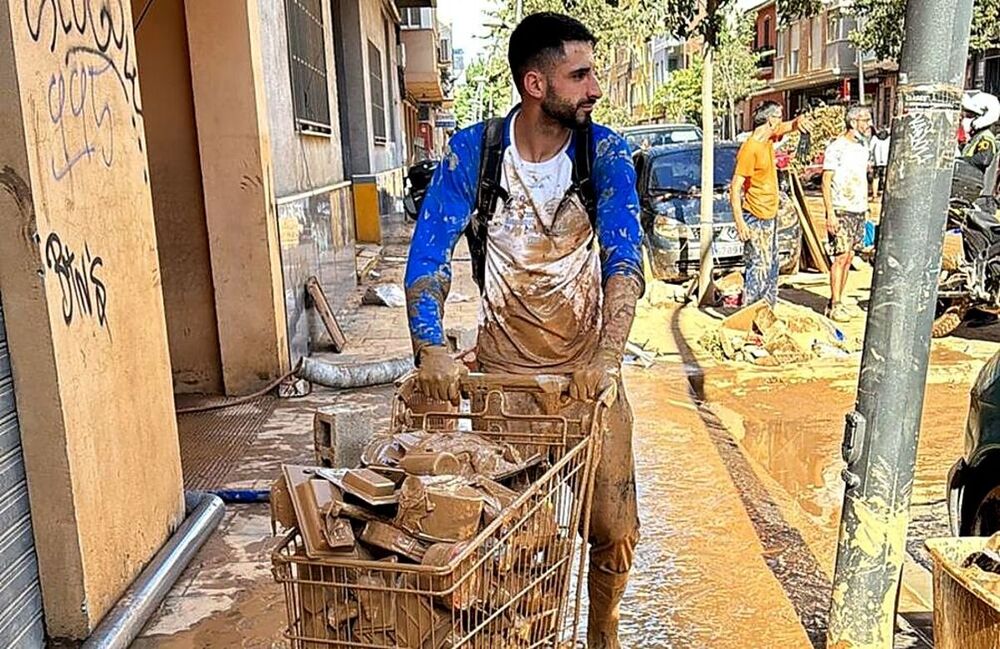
x: 754, y: 198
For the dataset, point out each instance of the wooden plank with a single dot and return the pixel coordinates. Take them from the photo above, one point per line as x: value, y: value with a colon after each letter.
x: 319, y: 301
x: 814, y: 245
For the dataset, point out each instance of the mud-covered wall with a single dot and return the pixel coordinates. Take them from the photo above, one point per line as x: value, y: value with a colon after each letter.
x: 83, y: 304
x: 178, y: 198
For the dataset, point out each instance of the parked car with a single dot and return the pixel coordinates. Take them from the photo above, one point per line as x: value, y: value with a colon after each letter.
x: 650, y: 135
x: 974, y: 480
x: 669, y: 185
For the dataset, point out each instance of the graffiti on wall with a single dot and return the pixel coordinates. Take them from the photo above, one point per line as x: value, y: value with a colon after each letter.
x: 84, y: 294
x: 96, y: 64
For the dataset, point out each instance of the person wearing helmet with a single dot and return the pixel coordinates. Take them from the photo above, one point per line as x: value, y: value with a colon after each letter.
x: 980, y: 112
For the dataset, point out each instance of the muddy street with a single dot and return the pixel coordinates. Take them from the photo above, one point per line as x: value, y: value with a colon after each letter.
x: 738, y: 481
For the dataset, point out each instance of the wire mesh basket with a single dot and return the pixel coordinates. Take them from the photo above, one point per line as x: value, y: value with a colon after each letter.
x: 509, y: 586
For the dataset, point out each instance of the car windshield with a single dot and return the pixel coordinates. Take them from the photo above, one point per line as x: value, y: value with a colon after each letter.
x: 657, y: 137
x: 680, y: 171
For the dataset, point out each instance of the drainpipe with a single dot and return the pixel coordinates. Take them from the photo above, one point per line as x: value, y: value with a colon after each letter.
x: 124, y: 622
x: 880, y: 444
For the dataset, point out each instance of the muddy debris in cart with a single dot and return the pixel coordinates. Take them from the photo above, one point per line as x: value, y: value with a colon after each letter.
x: 442, y: 508
x: 420, y: 498
x: 390, y: 538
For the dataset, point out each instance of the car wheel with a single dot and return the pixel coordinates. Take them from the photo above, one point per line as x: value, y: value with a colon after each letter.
x: 981, y: 502
x: 985, y: 520
x: 948, y: 317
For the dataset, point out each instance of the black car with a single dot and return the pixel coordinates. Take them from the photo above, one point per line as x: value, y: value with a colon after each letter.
x: 974, y: 480
x: 669, y: 186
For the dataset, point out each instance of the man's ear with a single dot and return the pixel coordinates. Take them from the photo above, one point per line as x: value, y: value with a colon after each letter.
x: 535, y: 84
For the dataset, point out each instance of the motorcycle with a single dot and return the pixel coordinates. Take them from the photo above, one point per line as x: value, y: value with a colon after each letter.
x: 418, y: 178
x: 970, y: 268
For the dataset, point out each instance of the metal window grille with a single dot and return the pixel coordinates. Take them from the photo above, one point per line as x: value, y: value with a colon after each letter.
x: 377, y: 90
x: 307, y: 59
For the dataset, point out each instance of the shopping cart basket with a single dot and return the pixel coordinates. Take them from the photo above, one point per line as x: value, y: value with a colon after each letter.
x: 511, y: 585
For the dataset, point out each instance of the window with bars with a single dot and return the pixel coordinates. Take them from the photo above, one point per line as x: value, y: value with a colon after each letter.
x: 377, y: 91
x: 307, y: 61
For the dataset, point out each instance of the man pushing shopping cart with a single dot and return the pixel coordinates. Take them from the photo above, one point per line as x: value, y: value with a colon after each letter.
x: 547, y: 202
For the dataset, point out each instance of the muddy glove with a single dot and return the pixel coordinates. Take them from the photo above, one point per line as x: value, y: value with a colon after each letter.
x: 590, y: 381
x: 620, y: 295
x: 440, y: 374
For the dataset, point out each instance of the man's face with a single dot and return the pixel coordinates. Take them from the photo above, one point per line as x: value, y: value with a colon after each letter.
x: 863, y: 124
x: 775, y: 119
x: 571, y: 88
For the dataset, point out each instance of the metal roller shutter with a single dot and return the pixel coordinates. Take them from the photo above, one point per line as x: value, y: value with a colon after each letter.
x: 21, y: 622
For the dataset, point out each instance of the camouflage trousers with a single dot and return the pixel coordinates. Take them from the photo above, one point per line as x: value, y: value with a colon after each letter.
x: 760, y: 260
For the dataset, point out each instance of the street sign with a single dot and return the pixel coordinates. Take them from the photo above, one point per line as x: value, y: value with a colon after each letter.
x: 445, y: 120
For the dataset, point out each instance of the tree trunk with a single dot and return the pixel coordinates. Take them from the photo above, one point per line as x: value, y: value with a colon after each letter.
x: 732, y: 119
x: 707, y: 179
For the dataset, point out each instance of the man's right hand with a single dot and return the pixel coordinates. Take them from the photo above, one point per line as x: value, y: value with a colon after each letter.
x: 742, y: 229
x: 832, y: 224
x: 439, y: 374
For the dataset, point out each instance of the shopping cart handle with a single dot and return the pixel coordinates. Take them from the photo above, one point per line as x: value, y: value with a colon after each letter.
x: 546, y: 383
x: 552, y: 383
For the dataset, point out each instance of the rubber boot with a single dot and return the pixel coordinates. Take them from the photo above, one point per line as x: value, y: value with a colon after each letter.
x: 606, y: 590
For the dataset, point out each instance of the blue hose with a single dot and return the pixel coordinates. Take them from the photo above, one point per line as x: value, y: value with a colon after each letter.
x: 243, y: 495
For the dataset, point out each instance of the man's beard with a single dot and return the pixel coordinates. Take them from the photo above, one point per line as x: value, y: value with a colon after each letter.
x: 564, y: 112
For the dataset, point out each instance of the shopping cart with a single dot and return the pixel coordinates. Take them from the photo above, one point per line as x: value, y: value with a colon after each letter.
x: 511, y: 585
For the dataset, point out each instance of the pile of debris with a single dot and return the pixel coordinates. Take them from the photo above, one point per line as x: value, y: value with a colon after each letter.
x: 758, y: 335
x: 422, y: 498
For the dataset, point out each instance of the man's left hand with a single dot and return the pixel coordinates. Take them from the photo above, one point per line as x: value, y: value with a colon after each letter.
x: 589, y: 382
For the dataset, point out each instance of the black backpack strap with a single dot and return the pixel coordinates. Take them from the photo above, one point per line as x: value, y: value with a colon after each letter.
x: 583, y: 183
x: 489, y: 190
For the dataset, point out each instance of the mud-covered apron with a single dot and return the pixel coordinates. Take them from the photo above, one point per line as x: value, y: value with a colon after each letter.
x: 541, y: 307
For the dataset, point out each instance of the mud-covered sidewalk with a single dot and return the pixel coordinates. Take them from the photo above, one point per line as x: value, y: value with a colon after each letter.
x: 738, y: 473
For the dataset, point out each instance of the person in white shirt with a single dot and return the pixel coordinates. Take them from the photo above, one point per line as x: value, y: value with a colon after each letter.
x: 880, y: 159
x: 845, y: 195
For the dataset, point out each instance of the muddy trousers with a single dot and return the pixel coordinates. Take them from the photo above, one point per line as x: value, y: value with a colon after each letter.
x: 760, y: 260
x: 614, y: 526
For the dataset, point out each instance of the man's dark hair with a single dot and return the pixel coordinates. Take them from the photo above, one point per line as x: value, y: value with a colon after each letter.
x: 538, y: 40
x: 764, y: 111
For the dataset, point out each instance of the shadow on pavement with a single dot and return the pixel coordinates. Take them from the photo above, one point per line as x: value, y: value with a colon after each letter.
x: 805, y: 298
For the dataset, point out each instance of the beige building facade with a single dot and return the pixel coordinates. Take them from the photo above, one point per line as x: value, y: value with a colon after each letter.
x: 171, y: 181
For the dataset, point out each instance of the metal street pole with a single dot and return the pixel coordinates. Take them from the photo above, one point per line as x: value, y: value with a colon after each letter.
x: 880, y: 443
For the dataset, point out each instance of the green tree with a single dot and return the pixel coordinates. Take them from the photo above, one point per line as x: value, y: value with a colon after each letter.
x: 734, y: 77
x: 735, y: 73
x: 679, y: 99
x: 612, y: 114
x: 881, y: 23
x: 484, y: 91
x: 630, y: 22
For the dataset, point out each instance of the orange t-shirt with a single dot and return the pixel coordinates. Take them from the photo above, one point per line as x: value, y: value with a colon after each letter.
x: 755, y: 162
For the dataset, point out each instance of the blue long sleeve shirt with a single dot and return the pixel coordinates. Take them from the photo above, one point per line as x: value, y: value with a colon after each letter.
x: 450, y: 202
